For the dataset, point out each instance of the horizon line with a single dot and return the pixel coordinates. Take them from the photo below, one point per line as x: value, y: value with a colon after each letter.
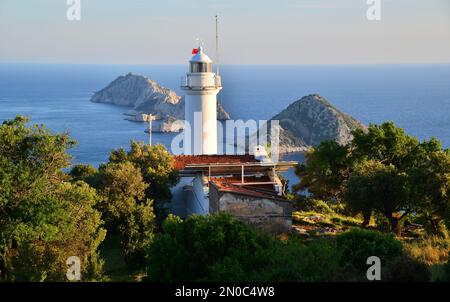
x: 231, y: 64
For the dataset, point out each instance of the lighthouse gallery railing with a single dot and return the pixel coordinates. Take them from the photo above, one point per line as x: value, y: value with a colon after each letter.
x: 201, y: 82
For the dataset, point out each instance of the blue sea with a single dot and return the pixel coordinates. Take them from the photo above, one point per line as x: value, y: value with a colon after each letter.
x: 415, y: 97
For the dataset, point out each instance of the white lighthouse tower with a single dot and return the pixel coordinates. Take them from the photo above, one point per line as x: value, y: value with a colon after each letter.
x: 201, y: 86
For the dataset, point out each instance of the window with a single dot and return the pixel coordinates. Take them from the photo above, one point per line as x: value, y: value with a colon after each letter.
x: 200, y: 67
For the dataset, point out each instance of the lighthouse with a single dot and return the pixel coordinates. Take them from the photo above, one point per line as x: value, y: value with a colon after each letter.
x: 201, y: 86
x: 246, y: 186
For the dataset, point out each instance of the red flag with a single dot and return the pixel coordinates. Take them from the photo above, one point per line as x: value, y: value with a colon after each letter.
x: 194, y: 51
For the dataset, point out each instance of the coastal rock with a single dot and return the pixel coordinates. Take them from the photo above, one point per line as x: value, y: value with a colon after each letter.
x: 146, y: 96
x: 310, y: 120
x: 141, y: 93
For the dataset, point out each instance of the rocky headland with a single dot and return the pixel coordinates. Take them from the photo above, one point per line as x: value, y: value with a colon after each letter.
x: 310, y: 120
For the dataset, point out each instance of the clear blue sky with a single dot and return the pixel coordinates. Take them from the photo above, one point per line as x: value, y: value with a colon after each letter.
x: 252, y: 31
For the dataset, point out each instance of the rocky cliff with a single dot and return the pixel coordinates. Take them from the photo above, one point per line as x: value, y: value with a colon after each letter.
x: 145, y: 96
x: 310, y: 120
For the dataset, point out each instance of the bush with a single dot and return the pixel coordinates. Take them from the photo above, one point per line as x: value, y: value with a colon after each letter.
x: 446, y: 271
x: 186, y: 250
x: 314, y: 205
x: 406, y: 269
x: 282, y: 262
x: 358, y: 244
x: 220, y: 248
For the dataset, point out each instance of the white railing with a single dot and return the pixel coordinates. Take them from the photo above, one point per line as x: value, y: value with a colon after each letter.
x: 201, y: 82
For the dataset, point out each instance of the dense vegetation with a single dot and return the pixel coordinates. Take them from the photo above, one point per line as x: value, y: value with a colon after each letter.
x: 220, y: 248
x: 132, y: 187
x: 47, y: 215
x: 382, y: 171
x: 384, y: 194
x: 44, y: 218
x: 387, y: 180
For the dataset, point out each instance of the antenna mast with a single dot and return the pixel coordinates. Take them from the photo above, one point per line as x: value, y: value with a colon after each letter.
x: 217, y: 45
x: 219, y: 96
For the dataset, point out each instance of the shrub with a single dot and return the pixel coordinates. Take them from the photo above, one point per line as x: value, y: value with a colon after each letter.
x: 315, y: 205
x: 186, y: 250
x: 405, y: 269
x: 288, y: 261
x: 358, y: 244
x: 220, y: 248
x: 446, y: 271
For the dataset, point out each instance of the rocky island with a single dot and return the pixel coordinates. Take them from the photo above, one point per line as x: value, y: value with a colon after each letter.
x: 310, y: 120
x: 145, y: 96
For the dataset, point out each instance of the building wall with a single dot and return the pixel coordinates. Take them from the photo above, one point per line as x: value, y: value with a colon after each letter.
x: 201, y: 115
x: 214, y: 197
x: 180, y: 197
x: 193, y: 116
x: 270, y: 214
x: 198, y: 202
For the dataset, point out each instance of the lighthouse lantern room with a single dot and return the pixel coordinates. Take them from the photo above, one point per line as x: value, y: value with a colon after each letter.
x: 201, y: 87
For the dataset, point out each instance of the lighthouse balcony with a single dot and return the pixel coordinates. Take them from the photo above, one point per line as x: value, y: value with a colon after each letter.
x: 201, y: 82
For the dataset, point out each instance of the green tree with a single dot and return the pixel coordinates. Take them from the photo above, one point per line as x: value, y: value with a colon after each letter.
x: 122, y: 187
x: 87, y: 173
x: 381, y: 188
x: 385, y: 143
x: 133, y: 186
x: 125, y: 208
x: 44, y: 219
x: 383, y: 156
x: 390, y: 146
x: 137, y: 233
x: 326, y: 171
x: 430, y: 187
x: 156, y: 166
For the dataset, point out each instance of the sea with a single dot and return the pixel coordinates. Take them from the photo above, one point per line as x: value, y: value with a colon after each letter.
x: 415, y: 97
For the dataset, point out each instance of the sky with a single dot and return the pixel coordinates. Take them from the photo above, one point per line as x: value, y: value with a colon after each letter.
x: 251, y: 31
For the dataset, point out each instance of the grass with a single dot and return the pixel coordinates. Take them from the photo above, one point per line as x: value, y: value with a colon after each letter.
x: 116, y: 269
x: 332, y: 220
x: 327, y: 224
x: 430, y: 250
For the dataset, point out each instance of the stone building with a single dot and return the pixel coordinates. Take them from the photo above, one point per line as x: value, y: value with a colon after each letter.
x: 244, y: 186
